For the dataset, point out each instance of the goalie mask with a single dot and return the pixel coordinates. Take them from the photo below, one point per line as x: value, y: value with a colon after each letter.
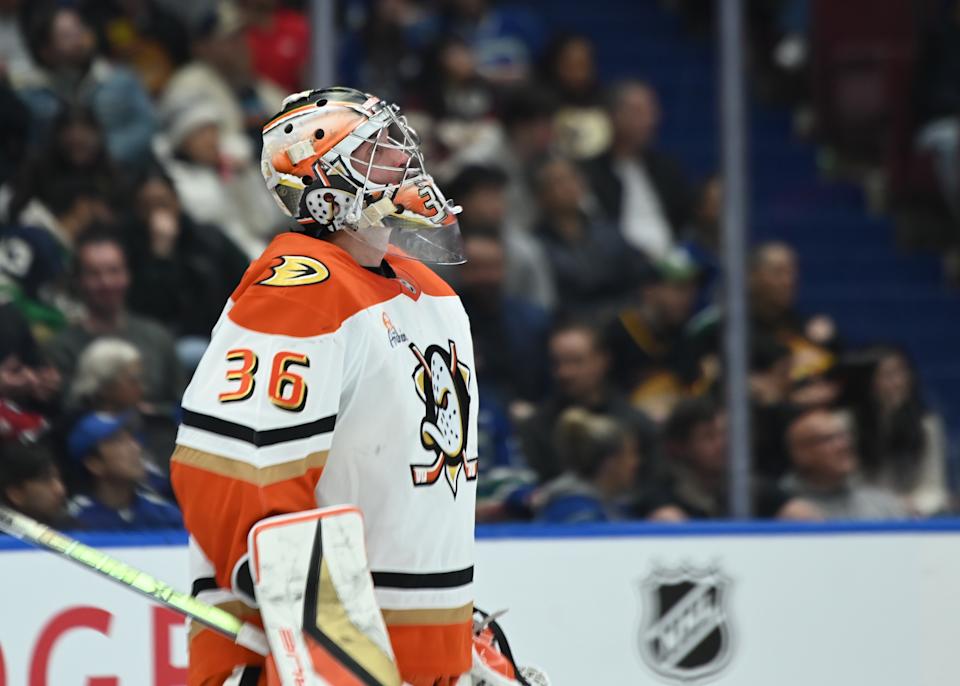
x: 340, y: 160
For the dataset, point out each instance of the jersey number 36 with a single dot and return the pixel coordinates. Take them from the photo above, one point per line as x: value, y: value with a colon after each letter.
x: 286, y: 389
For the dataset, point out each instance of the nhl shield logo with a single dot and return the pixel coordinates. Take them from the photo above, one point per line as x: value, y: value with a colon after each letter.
x: 685, y: 634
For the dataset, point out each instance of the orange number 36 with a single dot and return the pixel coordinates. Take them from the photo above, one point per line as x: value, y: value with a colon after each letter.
x: 244, y: 374
x: 286, y: 389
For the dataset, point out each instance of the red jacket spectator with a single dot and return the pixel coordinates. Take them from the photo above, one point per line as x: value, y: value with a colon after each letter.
x: 279, y: 43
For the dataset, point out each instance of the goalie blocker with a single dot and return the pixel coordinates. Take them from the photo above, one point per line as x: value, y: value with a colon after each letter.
x: 320, y: 614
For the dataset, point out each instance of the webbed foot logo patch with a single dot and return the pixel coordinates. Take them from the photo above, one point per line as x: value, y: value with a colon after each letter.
x: 296, y: 270
x: 442, y: 382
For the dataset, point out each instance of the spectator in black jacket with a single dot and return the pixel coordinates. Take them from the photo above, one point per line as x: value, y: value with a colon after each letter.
x: 14, y: 129
x: 641, y: 189
x: 593, y: 267
x: 774, y: 283
x: 183, y: 271
x: 653, y: 361
x: 509, y: 332
x: 938, y: 101
x: 580, y: 364
x: 30, y: 483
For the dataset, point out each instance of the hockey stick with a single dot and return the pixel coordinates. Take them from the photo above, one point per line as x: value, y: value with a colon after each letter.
x: 31, y: 531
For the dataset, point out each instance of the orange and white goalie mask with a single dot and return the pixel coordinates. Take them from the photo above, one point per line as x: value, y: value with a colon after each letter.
x: 340, y: 160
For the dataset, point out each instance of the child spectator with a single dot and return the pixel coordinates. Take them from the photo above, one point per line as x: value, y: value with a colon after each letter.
x: 601, y: 461
x: 113, y: 461
x: 30, y: 483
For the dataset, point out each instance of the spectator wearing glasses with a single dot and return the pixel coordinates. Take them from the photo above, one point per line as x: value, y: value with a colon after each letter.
x: 697, y: 486
x: 825, y: 470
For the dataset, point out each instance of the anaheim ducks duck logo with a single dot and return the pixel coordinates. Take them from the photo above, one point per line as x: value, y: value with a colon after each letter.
x: 296, y: 270
x: 442, y: 383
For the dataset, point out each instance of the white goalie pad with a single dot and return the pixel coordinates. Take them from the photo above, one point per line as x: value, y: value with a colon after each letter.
x: 316, y: 598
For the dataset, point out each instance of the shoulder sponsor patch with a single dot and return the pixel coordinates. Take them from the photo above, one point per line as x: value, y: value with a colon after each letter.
x: 296, y: 270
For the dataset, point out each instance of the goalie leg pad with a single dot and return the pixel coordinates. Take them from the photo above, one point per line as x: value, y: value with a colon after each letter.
x: 316, y: 598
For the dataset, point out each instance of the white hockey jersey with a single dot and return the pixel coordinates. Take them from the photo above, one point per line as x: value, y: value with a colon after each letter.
x: 326, y: 383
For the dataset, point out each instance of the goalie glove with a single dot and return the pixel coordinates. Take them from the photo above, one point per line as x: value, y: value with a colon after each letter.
x: 493, y: 663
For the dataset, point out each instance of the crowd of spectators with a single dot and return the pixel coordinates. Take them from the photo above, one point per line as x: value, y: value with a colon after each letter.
x: 131, y: 203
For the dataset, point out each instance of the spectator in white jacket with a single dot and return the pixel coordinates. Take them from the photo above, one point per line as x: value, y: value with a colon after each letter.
x: 216, y: 183
x: 221, y: 75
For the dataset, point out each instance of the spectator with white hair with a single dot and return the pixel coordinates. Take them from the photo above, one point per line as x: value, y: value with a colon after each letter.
x: 109, y: 379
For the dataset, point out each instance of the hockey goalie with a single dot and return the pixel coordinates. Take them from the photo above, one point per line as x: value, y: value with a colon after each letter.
x: 326, y: 463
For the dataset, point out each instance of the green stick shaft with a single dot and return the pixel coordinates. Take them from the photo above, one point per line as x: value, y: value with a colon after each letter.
x: 31, y: 531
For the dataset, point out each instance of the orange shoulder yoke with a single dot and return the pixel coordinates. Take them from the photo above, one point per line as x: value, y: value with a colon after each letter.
x: 302, y: 286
